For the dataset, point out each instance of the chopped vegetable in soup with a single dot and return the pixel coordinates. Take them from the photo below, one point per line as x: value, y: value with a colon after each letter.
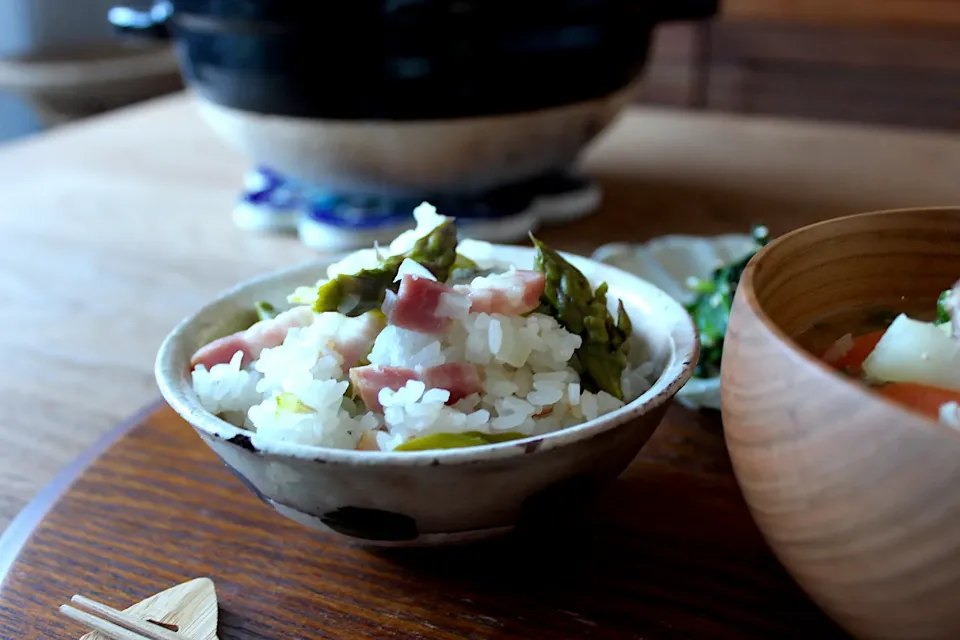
x: 914, y: 362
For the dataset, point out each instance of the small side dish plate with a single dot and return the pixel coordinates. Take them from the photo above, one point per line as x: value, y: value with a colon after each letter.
x: 668, y: 262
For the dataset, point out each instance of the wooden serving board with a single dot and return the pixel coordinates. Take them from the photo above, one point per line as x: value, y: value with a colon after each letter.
x: 669, y: 551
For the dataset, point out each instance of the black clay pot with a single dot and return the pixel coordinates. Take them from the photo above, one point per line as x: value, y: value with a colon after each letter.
x: 411, y: 95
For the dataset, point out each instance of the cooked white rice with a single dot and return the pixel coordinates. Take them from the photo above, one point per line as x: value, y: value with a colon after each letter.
x: 527, y: 386
x: 297, y: 392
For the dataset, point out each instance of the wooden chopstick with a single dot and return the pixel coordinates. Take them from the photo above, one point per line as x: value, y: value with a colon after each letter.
x: 116, y: 624
x: 96, y: 624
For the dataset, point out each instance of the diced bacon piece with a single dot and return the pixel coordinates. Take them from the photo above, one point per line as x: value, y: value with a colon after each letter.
x: 265, y: 334
x: 369, y: 380
x: 417, y: 306
x: 461, y: 379
x: 221, y: 351
x: 509, y: 294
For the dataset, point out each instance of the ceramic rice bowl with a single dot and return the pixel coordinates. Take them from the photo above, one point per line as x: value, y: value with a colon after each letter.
x: 435, y: 497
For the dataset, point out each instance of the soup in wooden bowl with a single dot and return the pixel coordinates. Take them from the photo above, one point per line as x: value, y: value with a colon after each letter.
x: 839, y: 405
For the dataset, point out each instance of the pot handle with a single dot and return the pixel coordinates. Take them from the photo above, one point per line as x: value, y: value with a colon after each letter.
x: 670, y: 10
x: 150, y: 23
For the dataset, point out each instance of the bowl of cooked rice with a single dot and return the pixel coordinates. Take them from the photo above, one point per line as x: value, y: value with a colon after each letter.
x: 432, y: 391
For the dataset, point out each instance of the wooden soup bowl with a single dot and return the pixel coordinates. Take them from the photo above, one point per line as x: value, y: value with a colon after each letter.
x: 858, y: 497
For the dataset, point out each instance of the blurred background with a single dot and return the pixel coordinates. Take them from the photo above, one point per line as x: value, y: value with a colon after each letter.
x: 60, y: 61
x: 894, y: 62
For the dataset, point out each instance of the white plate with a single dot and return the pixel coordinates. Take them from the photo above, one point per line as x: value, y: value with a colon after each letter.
x: 667, y: 262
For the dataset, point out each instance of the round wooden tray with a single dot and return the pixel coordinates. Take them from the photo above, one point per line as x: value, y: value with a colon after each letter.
x: 669, y: 551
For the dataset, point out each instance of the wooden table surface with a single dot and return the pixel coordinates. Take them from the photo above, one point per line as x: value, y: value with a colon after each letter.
x: 113, y: 229
x: 667, y: 552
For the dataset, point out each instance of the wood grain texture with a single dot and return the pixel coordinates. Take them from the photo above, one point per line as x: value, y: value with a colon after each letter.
x: 856, y: 494
x: 189, y: 608
x: 113, y: 229
x: 907, y: 77
x: 668, y: 552
x: 928, y: 99
x: 900, y: 13
x: 862, y: 73
x: 839, y: 48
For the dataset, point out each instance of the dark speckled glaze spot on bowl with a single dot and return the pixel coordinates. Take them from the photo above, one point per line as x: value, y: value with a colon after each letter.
x: 532, y: 446
x: 243, y: 441
x: 371, y: 524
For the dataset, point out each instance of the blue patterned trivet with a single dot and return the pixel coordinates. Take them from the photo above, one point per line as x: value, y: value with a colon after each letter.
x: 268, y: 203
x: 333, y: 222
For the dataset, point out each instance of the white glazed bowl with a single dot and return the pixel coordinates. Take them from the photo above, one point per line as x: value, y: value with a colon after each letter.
x: 434, y: 497
x: 396, y: 157
x: 668, y: 262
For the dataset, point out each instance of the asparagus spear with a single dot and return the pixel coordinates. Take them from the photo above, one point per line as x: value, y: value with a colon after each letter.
x: 437, y: 251
x: 464, y: 270
x: 356, y: 294
x: 570, y: 299
x: 457, y: 440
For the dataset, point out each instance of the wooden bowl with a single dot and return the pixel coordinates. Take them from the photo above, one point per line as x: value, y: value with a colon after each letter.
x: 858, y: 497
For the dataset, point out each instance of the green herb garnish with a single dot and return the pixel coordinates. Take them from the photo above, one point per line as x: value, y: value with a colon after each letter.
x: 457, y: 440
x: 265, y: 311
x: 288, y: 402
x: 711, y: 307
x: 943, y: 313
x: 570, y: 299
x: 354, y: 295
